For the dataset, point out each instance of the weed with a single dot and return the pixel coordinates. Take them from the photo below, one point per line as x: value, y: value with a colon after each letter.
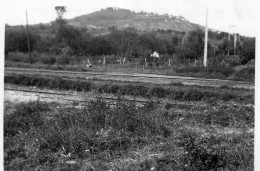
x: 202, y: 153
x: 158, y: 92
x: 193, y: 95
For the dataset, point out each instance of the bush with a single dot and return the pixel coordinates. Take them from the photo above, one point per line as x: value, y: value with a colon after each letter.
x: 18, y: 57
x: 63, y: 59
x: 47, y: 59
x: 158, y: 92
x: 23, y: 57
x: 24, y: 117
x: 134, y: 90
x: 208, y: 72
x: 247, y: 74
x: 193, y: 95
x: 202, y: 153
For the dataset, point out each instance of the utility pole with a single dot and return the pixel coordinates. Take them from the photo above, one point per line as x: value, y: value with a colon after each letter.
x: 206, y: 41
x: 28, y: 38
x: 235, y: 41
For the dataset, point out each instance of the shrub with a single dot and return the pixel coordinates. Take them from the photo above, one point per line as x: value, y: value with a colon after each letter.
x: 247, y: 74
x: 193, y: 95
x: 63, y: 59
x: 202, y: 153
x: 47, y: 59
x: 23, y: 57
x: 18, y: 57
x: 24, y: 117
x: 158, y: 92
x: 134, y: 90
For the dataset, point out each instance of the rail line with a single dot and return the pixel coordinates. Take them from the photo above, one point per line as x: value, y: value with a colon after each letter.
x: 112, y: 99
x: 105, y: 98
x: 127, y: 75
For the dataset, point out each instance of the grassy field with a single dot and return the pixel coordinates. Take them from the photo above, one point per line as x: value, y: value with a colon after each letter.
x: 124, y: 136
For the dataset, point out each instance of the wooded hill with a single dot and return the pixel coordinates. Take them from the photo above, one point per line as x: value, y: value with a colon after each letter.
x: 123, y: 18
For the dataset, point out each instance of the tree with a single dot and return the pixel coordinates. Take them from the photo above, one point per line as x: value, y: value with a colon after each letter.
x: 248, y: 50
x: 60, y: 11
x: 193, y: 46
x: 17, y: 41
x: 99, y: 46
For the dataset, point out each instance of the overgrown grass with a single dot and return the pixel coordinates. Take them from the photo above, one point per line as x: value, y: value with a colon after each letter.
x: 247, y: 74
x: 95, y: 129
x: 174, y: 92
x: 209, y: 72
x: 65, y: 62
x: 123, y: 136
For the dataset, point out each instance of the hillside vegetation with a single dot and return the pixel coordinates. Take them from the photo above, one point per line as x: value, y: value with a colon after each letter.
x: 104, y: 34
x: 122, y: 18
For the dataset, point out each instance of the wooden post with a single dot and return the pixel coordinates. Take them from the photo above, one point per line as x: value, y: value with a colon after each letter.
x: 169, y: 61
x: 124, y: 60
x: 104, y: 60
x: 145, y: 62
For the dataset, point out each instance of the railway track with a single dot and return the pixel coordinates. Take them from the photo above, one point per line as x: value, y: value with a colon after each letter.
x: 80, y: 99
x: 135, y: 77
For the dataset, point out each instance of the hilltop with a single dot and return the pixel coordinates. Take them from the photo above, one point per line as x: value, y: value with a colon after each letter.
x: 123, y: 18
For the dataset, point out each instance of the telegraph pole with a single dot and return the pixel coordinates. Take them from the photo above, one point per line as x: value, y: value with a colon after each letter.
x: 206, y: 41
x: 28, y: 38
x: 235, y: 38
x: 235, y: 41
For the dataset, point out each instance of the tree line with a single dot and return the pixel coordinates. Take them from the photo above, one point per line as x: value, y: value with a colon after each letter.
x: 59, y: 37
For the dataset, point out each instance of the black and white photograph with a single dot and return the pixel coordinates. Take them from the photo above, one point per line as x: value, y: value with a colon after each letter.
x: 129, y: 85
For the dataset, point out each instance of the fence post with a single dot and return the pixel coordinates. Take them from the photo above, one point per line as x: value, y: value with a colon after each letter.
x: 124, y: 60
x: 104, y: 60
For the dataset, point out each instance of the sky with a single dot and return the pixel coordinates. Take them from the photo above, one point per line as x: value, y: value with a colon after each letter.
x: 221, y: 13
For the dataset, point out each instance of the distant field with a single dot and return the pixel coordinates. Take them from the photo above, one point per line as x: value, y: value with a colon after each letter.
x: 175, y: 70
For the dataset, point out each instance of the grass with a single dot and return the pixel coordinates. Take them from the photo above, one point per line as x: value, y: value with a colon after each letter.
x: 75, y: 63
x: 123, y: 136
x: 247, y: 74
x: 174, y: 92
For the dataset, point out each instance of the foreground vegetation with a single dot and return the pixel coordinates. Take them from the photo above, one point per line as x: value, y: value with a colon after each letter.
x: 124, y: 136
